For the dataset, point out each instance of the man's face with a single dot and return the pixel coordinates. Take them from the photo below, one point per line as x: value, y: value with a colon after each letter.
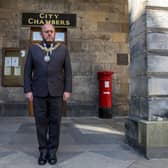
x: 48, y: 33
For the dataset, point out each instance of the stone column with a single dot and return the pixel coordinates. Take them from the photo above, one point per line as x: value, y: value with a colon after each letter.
x: 147, y: 123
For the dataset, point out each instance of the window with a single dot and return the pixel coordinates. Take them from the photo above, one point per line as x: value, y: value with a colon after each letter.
x: 36, y: 36
x: 60, y: 35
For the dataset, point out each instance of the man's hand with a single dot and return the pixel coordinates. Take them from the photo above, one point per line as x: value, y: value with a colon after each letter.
x: 29, y: 96
x: 66, y: 96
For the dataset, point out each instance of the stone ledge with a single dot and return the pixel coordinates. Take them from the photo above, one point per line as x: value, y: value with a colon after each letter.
x: 13, y: 109
x: 69, y: 110
x: 148, y: 137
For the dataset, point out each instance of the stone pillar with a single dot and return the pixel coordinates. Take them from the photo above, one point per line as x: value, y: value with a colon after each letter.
x: 147, y: 123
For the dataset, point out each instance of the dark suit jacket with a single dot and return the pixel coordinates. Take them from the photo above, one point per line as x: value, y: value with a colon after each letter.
x: 42, y: 78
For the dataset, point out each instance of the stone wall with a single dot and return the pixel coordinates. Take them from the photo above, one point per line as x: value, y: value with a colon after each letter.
x: 149, y: 76
x: 101, y: 34
x: 157, y: 49
x: 148, y: 47
x: 138, y: 84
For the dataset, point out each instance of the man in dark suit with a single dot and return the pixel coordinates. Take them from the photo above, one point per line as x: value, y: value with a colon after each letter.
x: 47, y: 82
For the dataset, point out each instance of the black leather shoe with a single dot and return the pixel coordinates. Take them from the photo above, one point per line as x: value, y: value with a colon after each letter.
x: 42, y: 158
x: 52, y: 158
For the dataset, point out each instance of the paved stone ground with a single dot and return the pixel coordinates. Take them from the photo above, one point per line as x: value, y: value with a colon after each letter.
x: 85, y: 143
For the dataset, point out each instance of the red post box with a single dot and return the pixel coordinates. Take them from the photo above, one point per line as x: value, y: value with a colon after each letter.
x: 105, y: 94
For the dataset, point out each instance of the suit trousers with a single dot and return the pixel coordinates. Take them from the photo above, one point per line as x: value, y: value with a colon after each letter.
x: 48, y: 112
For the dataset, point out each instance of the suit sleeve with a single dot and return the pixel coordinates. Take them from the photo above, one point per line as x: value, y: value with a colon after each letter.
x: 28, y: 73
x: 67, y: 73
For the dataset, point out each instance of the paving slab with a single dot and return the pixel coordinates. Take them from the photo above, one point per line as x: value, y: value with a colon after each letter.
x: 153, y: 163
x: 93, y: 160
x: 86, y: 142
